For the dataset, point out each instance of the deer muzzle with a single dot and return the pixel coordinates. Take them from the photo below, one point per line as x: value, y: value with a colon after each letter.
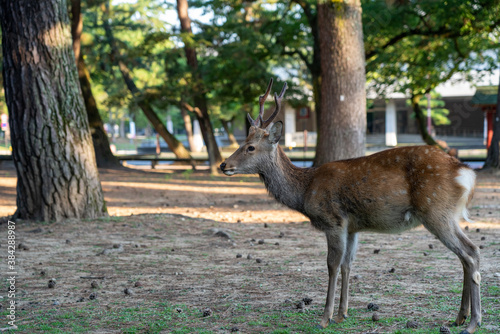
x: 225, y: 170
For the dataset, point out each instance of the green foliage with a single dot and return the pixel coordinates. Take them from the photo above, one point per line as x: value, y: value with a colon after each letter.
x: 439, y: 114
x: 410, y: 47
x: 414, y: 46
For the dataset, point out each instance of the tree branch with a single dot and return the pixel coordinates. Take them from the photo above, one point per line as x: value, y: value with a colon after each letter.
x: 440, y: 32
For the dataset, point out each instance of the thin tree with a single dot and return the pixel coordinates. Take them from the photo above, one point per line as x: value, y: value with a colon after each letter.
x: 51, y: 141
x: 176, y: 146
x: 103, y: 154
x: 199, y: 97
x: 343, y: 97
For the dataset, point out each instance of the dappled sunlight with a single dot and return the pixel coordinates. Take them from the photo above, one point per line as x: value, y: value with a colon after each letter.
x: 169, y: 186
x: 227, y: 216
x: 232, y: 200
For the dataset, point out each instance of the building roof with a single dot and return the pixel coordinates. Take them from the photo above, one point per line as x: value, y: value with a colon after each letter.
x: 485, y: 95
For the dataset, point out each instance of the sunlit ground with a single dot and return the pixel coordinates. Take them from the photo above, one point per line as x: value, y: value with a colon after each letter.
x: 179, y: 190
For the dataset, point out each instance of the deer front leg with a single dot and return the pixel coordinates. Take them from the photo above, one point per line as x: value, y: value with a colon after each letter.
x: 336, y: 240
x: 351, y: 247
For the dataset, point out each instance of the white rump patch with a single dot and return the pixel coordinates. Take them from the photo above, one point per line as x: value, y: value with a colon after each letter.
x: 466, y: 179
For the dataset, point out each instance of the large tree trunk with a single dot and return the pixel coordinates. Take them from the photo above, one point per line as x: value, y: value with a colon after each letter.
x: 104, y: 156
x: 176, y: 146
x: 343, y: 99
x: 200, y: 100
x: 493, y: 157
x: 52, y: 148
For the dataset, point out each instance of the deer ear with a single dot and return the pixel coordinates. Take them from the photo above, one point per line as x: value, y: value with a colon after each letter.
x: 275, y: 132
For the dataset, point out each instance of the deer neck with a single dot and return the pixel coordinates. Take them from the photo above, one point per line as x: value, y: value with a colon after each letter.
x: 285, y: 181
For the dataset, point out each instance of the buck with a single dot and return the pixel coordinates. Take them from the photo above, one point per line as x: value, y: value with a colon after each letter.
x: 390, y: 191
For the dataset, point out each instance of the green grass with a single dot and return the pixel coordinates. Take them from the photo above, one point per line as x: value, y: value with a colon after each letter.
x: 160, y: 317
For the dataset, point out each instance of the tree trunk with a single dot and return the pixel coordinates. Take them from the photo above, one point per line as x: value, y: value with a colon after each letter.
x: 200, y: 100
x: 493, y: 157
x: 104, y: 156
x: 343, y: 99
x: 232, y: 140
x: 52, y: 148
x: 176, y: 146
x: 188, y: 126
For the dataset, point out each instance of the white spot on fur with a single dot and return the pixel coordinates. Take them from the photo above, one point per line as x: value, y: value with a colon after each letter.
x: 466, y: 179
x: 434, y: 194
x: 428, y: 200
x: 429, y: 167
x: 407, y: 216
x: 402, y: 192
x: 476, y: 278
x: 426, y: 151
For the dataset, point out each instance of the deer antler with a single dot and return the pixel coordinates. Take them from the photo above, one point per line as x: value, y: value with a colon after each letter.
x: 277, y: 100
x: 259, y: 121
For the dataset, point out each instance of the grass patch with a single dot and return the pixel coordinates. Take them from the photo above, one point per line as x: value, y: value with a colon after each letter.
x: 164, y: 317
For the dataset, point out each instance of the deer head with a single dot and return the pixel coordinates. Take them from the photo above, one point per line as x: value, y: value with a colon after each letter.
x: 262, y: 140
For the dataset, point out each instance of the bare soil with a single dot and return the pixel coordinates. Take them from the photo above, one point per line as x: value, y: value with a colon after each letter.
x: 168, y: 230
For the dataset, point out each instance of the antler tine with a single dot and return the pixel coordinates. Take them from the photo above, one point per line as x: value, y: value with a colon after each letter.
x: 262, y: 101
x: 277, y: 100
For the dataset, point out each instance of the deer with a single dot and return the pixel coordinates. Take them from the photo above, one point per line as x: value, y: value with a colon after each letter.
x: 388, y: 192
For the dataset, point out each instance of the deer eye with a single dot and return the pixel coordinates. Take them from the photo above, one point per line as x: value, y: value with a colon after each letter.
x: 251, y: 148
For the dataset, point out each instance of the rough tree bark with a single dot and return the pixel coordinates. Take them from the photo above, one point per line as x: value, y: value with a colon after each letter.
x: 52, y: 147
x: 199, y: 97
x: 176, y: 146
x: 493, y: 156
x: 104, y: 156
x: 343, y: 98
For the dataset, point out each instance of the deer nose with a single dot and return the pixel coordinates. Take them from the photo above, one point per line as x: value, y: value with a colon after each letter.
x: 222, y: 166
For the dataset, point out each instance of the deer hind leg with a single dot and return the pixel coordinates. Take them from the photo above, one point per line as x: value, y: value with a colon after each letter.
x: 336, y: 239
x: 345, y: 268
x: 468, y: 253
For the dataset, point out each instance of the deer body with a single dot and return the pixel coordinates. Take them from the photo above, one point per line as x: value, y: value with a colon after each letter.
x: 390, y: 191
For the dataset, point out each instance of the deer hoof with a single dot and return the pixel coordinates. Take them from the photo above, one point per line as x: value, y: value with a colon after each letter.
x: 339, y: 318
x: 320, y: 326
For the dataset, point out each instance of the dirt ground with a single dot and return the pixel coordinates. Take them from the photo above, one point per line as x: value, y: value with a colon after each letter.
x: 169, y: 251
